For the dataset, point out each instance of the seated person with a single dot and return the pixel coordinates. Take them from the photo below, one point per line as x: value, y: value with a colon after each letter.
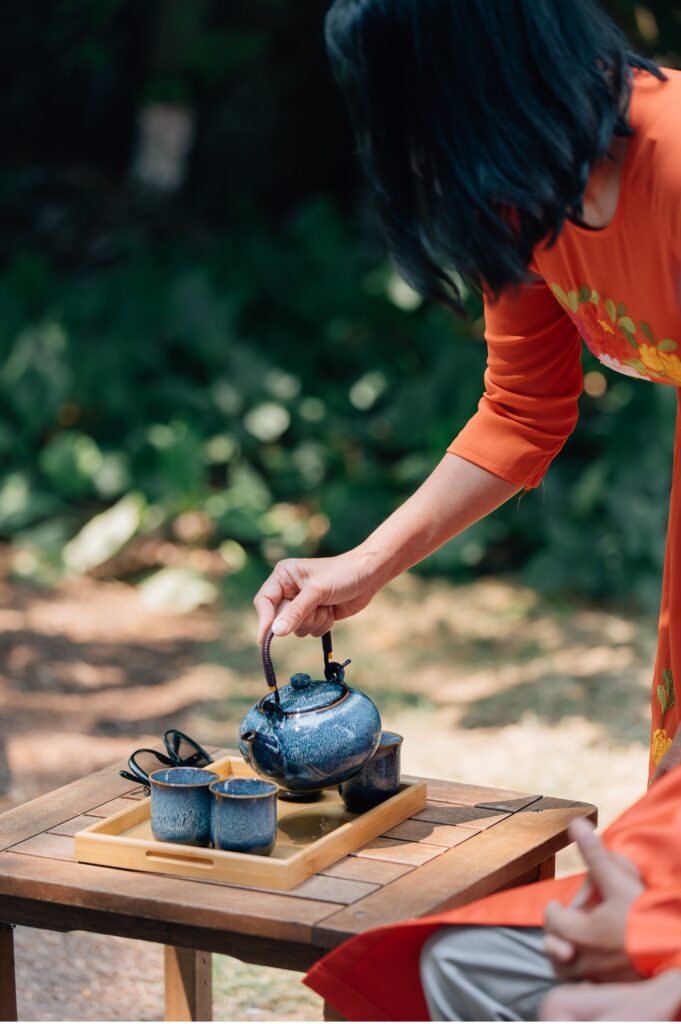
x: 617, y: 925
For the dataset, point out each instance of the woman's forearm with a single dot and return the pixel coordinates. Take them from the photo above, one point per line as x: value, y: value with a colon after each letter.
x: 307, y: 595
x: 455, y: 495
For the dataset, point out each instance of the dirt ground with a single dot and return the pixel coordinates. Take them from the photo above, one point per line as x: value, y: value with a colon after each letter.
x: 487, y: 683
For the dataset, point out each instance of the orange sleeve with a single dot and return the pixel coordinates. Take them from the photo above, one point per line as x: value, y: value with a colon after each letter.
x: 653, y: 939
x: 532, y: 383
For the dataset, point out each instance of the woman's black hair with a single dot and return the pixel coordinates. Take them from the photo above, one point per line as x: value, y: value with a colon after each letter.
x: 478, y: 122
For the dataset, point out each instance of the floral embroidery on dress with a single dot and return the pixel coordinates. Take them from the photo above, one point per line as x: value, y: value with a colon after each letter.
x: 615, y: 364
x: 661, y: 740
x: 602, y: 324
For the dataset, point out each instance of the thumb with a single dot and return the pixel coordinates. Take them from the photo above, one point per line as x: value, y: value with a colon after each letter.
x: 604, y: 868
x: 296, y: 611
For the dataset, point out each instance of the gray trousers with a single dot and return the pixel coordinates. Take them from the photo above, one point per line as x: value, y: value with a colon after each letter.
x: 486, y: 973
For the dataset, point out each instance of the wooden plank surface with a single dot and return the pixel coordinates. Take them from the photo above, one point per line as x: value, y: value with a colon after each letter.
x: 426, y: 832
x: 188, y: 984
x: 474, y: 817
x: 47, y: 845
x: 8, y: 988
x: 490, y: 860
x: 362, y: 870
x: 398, y: 851
x: 73, y: 825
x: 47, y: 811
x: 466, y: 793
x: 105, y: 810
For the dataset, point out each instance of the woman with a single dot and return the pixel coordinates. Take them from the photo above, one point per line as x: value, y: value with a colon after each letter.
x: 518, y: 145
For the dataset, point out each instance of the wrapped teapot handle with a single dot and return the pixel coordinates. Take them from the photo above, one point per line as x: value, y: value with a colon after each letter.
x: 332, y: 669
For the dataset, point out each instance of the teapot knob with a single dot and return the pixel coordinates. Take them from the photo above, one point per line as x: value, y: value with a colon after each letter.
x: 300, y: 680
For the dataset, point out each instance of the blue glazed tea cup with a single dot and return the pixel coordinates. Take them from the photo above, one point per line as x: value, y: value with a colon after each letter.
x: 378, y: 780
x: 244, y: 815
x: 181, y: 805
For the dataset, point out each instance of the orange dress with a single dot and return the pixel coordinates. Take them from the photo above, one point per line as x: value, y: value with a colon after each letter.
x: 619, y: 289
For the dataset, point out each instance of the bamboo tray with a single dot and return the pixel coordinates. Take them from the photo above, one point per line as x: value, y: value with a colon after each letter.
x: 310, y: 837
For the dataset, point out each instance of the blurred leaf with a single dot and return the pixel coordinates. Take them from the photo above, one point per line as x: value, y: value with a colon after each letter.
x: 105, y: 534
x: 177, y: 591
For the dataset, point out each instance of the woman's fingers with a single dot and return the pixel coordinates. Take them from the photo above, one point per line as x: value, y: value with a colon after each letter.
x: 323, y: 622
x: 287, y: 586
x: 302, y: 607
x: 557, y: 949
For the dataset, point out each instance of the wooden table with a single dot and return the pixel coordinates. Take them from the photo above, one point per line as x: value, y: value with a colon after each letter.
x: 469, y: 841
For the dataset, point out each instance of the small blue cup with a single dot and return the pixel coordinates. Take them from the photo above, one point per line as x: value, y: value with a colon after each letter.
x: 244, y: 815
x: 181, y: 805
x: 378, y: 779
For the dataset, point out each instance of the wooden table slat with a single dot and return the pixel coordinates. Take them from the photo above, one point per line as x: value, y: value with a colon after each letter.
x: 427, y: 832
x: 472, y: 817
x: 48, y: 845
x: 47, y: 811
x: 398, y: 851
x: 121, y: 803
x: 73, y: 825
x: 469, y: 794
x: 361, y: 869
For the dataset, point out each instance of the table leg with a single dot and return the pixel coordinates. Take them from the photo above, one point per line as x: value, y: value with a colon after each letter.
x: 188, y: 984
x: 8, y: 987
x: 330, y: 1013
x: 547, y: 869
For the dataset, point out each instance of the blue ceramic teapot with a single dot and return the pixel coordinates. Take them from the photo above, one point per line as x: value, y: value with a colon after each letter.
x: 309, y: 734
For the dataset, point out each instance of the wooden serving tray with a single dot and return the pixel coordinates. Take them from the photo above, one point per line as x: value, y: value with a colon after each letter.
x: 310, y: 837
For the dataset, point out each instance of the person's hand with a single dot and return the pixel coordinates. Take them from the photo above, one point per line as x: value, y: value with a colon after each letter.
x: 586, y: 939
x: 672, y: 759
x: 656, y: 999
x: 306, y: 596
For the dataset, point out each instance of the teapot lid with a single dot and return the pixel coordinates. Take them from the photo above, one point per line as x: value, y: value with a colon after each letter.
x: 306, y: 694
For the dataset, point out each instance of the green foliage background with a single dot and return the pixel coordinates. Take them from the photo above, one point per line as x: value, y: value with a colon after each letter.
x: 240, y: 351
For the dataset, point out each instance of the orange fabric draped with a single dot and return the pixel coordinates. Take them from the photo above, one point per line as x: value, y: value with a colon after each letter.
x: 376, y: 975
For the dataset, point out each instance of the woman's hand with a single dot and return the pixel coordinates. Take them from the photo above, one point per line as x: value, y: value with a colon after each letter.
x: 657, y: 999
x: 306, y: 596
x: 587, y: 939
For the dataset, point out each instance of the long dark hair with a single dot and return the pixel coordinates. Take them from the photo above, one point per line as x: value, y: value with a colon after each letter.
x: 478, y: 122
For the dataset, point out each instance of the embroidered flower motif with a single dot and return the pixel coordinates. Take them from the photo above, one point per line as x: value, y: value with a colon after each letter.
x: 615, y: 364
x: 661, y: 741
x: 662, y: 364
x: 660, y: 745
x: 603, y: 324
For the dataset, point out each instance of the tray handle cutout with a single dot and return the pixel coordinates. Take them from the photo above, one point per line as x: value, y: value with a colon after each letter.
x: 180, y: 859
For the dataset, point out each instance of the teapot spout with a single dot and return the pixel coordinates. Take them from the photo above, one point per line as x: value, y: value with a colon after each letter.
x: 262, y: 751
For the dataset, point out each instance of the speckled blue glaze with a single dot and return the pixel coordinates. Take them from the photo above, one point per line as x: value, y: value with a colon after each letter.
x: 181, y: 805
x: 378, y: 780
x: 244, y: 815
x: 320, y: 734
